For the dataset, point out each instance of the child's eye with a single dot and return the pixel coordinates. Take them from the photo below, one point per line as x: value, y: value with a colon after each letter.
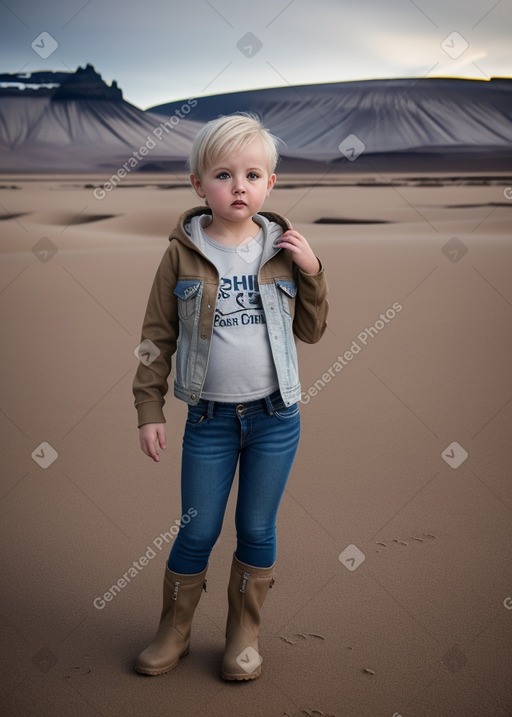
x: 253, y: 175
x: 223, y: 175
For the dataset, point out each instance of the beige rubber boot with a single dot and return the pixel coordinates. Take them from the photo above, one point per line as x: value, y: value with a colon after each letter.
x: 172, y: 640
x: 247, y: 590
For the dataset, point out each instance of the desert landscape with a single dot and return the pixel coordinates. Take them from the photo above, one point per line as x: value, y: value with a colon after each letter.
x: 393, y: 595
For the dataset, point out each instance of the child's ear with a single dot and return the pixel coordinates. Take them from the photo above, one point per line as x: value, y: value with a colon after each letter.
x: 196, y: 183
x: 271, y: 182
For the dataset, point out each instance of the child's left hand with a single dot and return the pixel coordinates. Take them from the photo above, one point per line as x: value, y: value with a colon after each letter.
x: 303, y: 255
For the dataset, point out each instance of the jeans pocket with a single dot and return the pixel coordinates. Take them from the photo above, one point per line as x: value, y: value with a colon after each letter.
x: 196, y: 415
x: 288, y: 412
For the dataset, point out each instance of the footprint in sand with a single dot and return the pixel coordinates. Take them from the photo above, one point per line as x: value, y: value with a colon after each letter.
x: 412, y: 539
x: 301, y: 636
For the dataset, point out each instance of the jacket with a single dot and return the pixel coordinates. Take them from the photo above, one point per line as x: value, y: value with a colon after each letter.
x: 180, y: 313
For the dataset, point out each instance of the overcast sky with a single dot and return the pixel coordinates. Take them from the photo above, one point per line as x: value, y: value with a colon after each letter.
x: 163, y: 50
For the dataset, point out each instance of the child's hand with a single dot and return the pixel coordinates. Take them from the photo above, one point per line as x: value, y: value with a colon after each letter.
x: 303, y: 255
x: 152, y: 436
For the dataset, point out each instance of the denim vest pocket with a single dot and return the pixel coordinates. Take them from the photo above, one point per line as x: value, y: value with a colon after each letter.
x: 288, y: 292
x: 189, y: 297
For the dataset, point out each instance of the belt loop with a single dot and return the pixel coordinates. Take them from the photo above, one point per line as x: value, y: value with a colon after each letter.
x: 209, y: 412
x: 269, y: 406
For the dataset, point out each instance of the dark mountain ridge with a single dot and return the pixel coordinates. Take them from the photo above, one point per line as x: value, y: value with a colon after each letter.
x: 58, y: 121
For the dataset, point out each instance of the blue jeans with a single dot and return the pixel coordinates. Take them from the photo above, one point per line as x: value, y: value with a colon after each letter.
x: 262, y: 436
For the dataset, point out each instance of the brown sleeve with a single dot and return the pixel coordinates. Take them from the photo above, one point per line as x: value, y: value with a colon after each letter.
x: 311, y: 306
x: 160, y: 327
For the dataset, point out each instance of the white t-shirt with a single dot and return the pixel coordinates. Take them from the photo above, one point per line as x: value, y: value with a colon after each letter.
x: 240, y: 367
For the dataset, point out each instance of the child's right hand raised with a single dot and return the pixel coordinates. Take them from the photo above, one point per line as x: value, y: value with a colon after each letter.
x: 152, y: 436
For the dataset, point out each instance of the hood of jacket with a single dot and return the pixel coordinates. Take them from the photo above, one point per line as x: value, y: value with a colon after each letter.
x: 188, y: 229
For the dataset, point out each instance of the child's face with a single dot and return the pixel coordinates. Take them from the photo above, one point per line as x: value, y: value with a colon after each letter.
x: 236, y: 187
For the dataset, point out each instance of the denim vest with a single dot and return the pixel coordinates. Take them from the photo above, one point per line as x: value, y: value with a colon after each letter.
x: 196, y: 304
x: 180, y: 314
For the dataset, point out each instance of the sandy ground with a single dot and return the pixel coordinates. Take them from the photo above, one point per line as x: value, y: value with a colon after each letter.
x: 394, y: 582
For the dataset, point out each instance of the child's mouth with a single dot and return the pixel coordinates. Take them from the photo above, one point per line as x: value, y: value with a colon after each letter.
x: 239, y: 203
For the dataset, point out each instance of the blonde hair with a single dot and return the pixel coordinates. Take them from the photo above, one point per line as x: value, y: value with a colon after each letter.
x: 229, y: 135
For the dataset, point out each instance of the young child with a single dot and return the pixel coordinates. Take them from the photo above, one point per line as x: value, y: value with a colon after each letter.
x: 233, y: 290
